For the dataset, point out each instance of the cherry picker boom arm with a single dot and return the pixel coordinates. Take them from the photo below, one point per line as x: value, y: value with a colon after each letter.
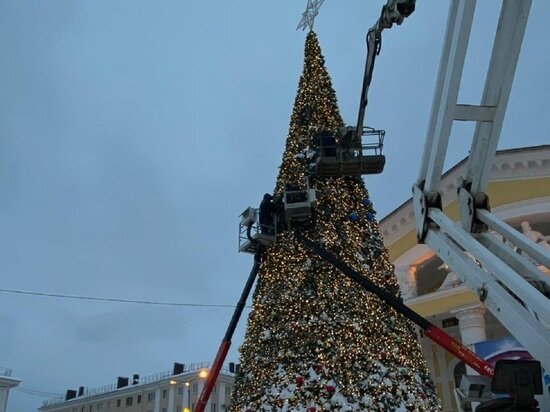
x: 226, y: 342
x: 394, y: 11
x: 430, y: 330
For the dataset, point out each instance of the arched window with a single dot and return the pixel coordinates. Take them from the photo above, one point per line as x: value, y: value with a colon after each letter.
x: 430, y: 275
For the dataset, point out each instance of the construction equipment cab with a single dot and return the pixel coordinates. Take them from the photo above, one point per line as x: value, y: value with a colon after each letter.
x: 343, y: 153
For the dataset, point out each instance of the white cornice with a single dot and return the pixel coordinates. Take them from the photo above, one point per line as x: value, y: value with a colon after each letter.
x: 9, y: 382
x: 439, y: 294
x: 514, y: 164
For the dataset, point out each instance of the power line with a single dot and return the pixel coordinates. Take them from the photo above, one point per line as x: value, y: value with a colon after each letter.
x: 37, y: 392
x: 102, y: 299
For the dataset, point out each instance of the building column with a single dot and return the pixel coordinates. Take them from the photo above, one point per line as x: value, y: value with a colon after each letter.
x: 201, y: 386
x: 157, y: 400
x: 6, y: 383
x: 186, y: 395
x: 471, y: 321
x: 171, y: 397
x: 406, y: 277
x: 221, y: 396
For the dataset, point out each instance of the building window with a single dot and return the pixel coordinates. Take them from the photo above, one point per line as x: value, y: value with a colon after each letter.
x: 215, y: 389
x: 118, y: 402
x: 195, y: 388
x: 178, y: 408
x: 459, y: 370
x: 180, y: 391
x: 163, y: 409
x: 129, y: 401
x: 139, y: 399
x: 430, y: 275
x: 449, y: 322
x: 99, y: 407
x: 151, y: 397
x: 108, y: 405
x: 227, y: 390
x: 213, y: 408
x: 164, y: 393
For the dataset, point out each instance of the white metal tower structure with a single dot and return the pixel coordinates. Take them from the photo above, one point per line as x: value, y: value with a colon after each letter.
x: 509, y: 284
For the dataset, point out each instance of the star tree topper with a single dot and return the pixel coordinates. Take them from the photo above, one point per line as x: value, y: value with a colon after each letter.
x: 308, y: 16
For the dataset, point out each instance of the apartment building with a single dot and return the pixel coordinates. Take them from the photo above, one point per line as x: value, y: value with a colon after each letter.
x: 176, y: 390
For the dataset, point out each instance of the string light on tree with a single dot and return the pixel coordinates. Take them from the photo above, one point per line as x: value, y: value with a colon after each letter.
x: 317, y: 342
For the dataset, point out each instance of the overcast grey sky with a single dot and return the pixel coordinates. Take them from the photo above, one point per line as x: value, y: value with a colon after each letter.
x: 133, y: 133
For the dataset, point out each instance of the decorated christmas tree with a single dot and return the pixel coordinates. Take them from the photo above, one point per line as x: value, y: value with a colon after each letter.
x: 316, y: 341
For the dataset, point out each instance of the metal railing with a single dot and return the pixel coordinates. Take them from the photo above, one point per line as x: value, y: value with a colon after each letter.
x: 371, y: 140
x: 375, y: 145
x: 5, y: 371
x: 255, y: 229
x: 53, y: 401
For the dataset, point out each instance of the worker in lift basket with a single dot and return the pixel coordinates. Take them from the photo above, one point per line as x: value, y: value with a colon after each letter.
x: 267, y: 211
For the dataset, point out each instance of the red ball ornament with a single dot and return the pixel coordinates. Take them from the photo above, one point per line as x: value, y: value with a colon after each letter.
x: 299, y: 380
x: 318, y: 368
x: 383, y: 355
x: 329, y: 388
x: 422, y: 396
x: 312, y: 409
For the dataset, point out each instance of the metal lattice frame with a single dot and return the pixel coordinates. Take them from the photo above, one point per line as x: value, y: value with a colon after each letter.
x: 308, y: 16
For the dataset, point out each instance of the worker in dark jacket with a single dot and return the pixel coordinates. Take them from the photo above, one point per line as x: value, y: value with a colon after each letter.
x: 328, y: 143
x: 267, y: 211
